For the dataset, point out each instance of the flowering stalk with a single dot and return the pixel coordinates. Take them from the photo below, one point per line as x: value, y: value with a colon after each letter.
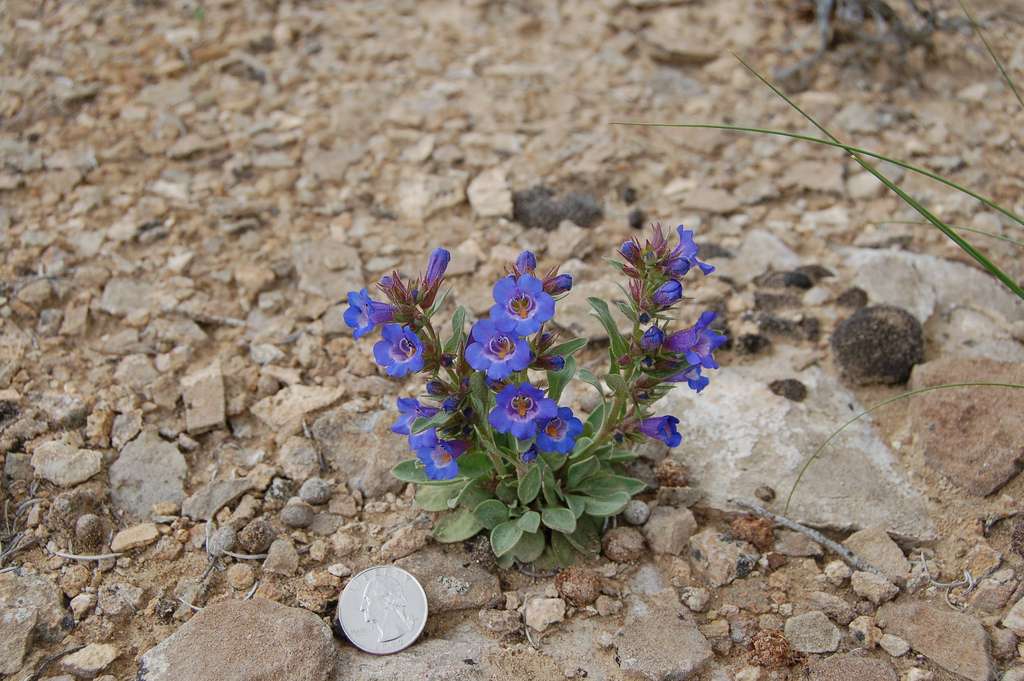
x: 496, y: 452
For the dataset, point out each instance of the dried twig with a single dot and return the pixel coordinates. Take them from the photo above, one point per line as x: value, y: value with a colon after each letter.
x: 848, y: 556
x: 76, y: 556
x: 194, y: 607
x: 536, y: 575
x: 245, y: 556
x: 252, y: 591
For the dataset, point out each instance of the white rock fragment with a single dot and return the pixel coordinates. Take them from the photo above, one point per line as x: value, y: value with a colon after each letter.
x: 489, y: 194
x: 203, y: 392
x: 64, y: 465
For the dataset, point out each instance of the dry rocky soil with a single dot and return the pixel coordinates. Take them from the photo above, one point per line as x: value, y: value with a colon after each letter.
x: 187, y: 191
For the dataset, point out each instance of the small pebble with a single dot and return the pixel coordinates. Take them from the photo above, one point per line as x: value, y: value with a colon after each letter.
x: 636, y: 512
x: 636, y: 218
x: 297, y: 514
x: 315, y: 491
x: 222, y: 539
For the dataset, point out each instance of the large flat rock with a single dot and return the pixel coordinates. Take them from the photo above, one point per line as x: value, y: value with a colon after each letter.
x: 953, y: 640
x: 738, y: 435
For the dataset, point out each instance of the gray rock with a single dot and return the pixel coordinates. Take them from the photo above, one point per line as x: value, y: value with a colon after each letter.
x: 208, y: 499
x: 316, y: 491
x: 282, y: 558
x: 298, y: 458
x: 16, y: 625
x: 362, y: 448
x: 878, y: 344
x: 222, y: 539
x: 856, y: 483
x: 955, y: 641
x: 876, y: 547
x: 119, y: 600
x: 327, y: 268
x: 660, y: 641
x: 813, y: 632
x: 283, y: 411
x: 489, y: 194
x: 965, y: 432
x: 62, y: 410
x: 451, y: 580
x: 297, y: 513
x: 149, y: 470
x: 894, y: 645
x: 404, y: 542
x: 851, y: 666
x: 88, y: 662
x: 875, y: 588
x: 121, y: 296
x: 540, y: 613
x: 36, y: 593
x: 1014, y: 619
x: 203, y: 393
x: 759, y: 252
x: 237, y: 640
x: 696, y: 598
x: 455, y: 654
x: 500, y: 621
x: 669, y: 530
x: 796, y: 545
x: 835, y: 607
x: 64, y: 465
x: 720, y: 559
x: 636, y: 512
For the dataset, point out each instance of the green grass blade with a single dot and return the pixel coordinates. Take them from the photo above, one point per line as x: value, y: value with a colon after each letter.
x: 848, y: 148
x: 991, y: 235
x: 879, y: 405
x: 992, y: 53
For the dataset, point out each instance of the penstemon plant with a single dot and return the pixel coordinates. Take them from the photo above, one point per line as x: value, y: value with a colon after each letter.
x: 494, y: 450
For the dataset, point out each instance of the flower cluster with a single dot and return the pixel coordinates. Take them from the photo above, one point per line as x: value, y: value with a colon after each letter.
x: 490, y: 440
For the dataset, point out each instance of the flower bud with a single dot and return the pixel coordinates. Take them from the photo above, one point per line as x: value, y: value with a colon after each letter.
x: 630, y: 250
x: 652, y: 339
x: 551, y: 362
x: 558, y: 284
x: 669, y: 293
x: 436, y: 267
x: 526, y: 263
x: 436, y: 388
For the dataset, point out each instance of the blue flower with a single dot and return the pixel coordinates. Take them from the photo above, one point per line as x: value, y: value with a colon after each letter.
x: 630, y: 250
x: 519, y: 409
x: 436, y: 267
x: 652, y: 339
x: 559, y: 434
x: 685, y: 255
x: 450, y: 403
x: 558, y: 284
x: 364, y: 313
x: 550, y: 363
x: 668, y: 294
x: 438, y: 456
x: 521, y: 305
x: 529, y: 455
x: 409, y: 410
x: 662, y: 428
x: 698, y: 342
x: 400, y: 351
x: 692, y: 376
x: 526, y: 263
x: 496, y: 352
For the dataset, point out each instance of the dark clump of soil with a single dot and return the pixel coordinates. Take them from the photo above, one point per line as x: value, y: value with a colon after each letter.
x: 540, y: 208
x: 790, y: 388
x: 878, y: 344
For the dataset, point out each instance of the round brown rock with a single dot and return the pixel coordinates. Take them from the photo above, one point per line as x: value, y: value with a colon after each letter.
x: 878, y: 344
x: 257, y: 536
x: 623, y: 544
x: 578, y: 586
x: 89, y: 531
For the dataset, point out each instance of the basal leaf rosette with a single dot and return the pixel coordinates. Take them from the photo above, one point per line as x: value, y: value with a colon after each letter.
x: 493, y: 450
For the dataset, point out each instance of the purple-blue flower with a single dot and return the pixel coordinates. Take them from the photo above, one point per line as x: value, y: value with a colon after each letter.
x: 529, y: 455
x: 698, y: 342
x: 685, y: 255
x: 519, y: 409
x: 652, y: 339
x: 550, y: 363
x: 400, y: 351
x: 521, y: 305
x: 662, y: 428
x: 436, y: 267
x: 526, y: 263
x: 559, y: 434
x: 364, y: 313
x: 496, y: 352
x: 558, y: 284
x: 438, y: 456
x: 410, y: 409
x: 692, y: 376
x: 630, y: 250
x: 668, y: 293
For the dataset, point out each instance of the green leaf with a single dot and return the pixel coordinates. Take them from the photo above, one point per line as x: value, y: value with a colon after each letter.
x: 529, y: 486
x: 595, y: 420
x: 471, y: 496
x: 491, y: 513
x: 617, y: 383
x: 562, y: 550
x: 474, y: 465
x: 506, y: 490
x: 458, y: 331
x: 436, y: 497
x: 560, y: 519
x: 549, y: 485
x: 478, y: 393
x: 557, y: 380
x: 626, y: 310
x: 585, y: 539
x: 420, y: 424
x: 457, y: 526
x: 411, y: 470
x: 504, y: 537
x: 529, y: 548
x: 602, y: 507
x: 569, y: 348
x: 506, y: 561
x: 588, y: 377
x: 604, y: 315
x: 553, y: 461
x: 581, y: 470
x: 576, y: 503
x: 529, y: 521
x: 438, y: 302
x: 606, y: 485
x: 581, y: 446
x: 618, y: 456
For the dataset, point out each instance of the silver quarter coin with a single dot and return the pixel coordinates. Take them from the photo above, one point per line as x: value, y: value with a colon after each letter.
x: 382, y: 610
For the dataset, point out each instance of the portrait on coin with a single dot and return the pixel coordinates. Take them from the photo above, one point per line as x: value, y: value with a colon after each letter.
x: 383, y: 605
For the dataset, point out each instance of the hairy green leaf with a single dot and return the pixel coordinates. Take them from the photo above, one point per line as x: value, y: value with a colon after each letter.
x: 457, y: 526
x: 504, y: 537
x: 560, y: 519
x: 529, y: 486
